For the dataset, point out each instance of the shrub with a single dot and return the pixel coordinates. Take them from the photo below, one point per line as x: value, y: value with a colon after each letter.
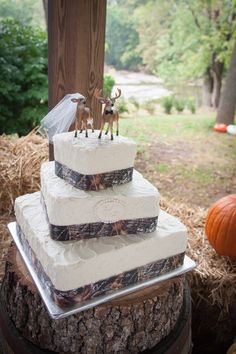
x: 167, y: 103
x: 108, y: 84
x: 122, y: 106
x: 149, y: 106
x: 23, y: 80
x: 179, y: 104
x: 133, y: 100
x: 191, y: 105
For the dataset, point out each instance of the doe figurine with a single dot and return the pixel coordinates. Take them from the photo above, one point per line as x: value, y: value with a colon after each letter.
x: 83, y: 116
x: 109, y: 115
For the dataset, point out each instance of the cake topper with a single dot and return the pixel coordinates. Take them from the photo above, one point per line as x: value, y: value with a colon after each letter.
x: 109, y: 114
x: 83, y: 116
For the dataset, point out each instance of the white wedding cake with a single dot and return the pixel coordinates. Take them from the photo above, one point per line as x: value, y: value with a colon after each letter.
x: 96, y: 225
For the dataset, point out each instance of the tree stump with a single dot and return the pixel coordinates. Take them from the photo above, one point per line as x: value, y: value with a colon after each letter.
x: 130, y: 324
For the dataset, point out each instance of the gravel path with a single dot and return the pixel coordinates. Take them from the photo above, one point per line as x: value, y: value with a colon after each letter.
x: 142, y: 86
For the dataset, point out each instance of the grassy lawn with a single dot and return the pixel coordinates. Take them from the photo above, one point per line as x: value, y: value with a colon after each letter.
x: 183, y: 156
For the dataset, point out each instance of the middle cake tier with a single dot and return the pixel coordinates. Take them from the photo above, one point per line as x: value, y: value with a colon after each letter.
x: 74, y: 214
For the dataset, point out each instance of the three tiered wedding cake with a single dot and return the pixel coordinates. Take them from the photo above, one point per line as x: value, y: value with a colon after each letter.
x: 96, y: 225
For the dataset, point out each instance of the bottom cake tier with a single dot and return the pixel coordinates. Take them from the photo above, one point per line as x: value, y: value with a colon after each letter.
x: 80, y: 270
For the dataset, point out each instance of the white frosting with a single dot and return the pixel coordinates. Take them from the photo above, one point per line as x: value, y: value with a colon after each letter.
x: 67, y: 205
x: 92, y: 155
x: 76, y: 263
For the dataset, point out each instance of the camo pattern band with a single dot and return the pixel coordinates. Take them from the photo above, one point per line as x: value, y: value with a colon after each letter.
x: 93, y: 182
x: 101, y: 287
x: 98, y: 229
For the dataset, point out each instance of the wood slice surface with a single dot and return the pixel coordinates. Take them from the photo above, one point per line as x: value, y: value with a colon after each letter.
x: 130, y: 324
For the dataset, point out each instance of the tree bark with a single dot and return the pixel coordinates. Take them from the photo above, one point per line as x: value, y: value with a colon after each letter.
x: 207, y: 89
x: 130, y: 324
x: 217, y: 72
x: 227, y: 105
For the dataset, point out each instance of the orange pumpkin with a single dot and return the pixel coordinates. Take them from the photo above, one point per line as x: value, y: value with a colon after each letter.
x: 220, y: 127
x: 220, y: 226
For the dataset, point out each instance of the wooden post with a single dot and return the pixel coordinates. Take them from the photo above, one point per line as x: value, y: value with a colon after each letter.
x: 76, y: 42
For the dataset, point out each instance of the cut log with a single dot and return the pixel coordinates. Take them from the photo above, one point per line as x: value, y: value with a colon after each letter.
x: 130, y: 324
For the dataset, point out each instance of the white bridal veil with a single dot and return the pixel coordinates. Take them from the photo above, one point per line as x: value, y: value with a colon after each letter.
x: 60, y: 118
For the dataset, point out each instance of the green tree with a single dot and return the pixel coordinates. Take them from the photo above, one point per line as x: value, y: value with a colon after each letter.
x: 152, y: 19
x: 23, y: 80
x: 121, y: 39
x: 226, y: 110
x: 108, y: 84
x: 25, y: 11
x: 191, y: 39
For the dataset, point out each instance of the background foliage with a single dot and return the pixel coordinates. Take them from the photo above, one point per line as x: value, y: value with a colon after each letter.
x: 177, y: 40
x: 180, y: 41
x: 27, y: 12
x: 173, y: 39
x: 108, y: 84
x: 23, y: 80
x: 121, y: 38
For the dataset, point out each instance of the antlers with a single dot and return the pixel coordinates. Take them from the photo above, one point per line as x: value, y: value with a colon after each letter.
x: 117, y: 95
x: 98, y: 94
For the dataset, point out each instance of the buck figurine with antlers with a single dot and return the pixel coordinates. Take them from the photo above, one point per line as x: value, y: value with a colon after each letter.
x: 83, y: 116
x: 109, y: 114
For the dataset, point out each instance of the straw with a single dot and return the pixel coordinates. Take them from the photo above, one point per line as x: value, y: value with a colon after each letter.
x: 20, y: 160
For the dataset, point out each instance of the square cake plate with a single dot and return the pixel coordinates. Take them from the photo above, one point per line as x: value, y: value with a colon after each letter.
x: 57, y: 312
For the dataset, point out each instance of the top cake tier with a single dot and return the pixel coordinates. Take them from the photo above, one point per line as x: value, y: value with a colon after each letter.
x: 92, y: 163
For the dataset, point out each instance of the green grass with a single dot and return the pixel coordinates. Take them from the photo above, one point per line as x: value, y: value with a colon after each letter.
x: 162, y: 167
x: 142, y: 127
x: 200, y: 175
x: 183, y: 156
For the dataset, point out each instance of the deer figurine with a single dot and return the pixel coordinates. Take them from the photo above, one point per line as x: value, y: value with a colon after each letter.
x: 109, y: 114
x: 83, y: 116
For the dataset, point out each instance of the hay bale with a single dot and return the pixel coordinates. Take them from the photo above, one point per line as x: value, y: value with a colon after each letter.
x: 217, y: 273
x: 20, y: 160
x: 212, y: 283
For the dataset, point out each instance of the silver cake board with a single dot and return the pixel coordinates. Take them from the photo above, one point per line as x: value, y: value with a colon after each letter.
x: 57, y: 312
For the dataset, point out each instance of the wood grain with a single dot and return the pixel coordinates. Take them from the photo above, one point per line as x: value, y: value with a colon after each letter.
x: 76, y: 42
